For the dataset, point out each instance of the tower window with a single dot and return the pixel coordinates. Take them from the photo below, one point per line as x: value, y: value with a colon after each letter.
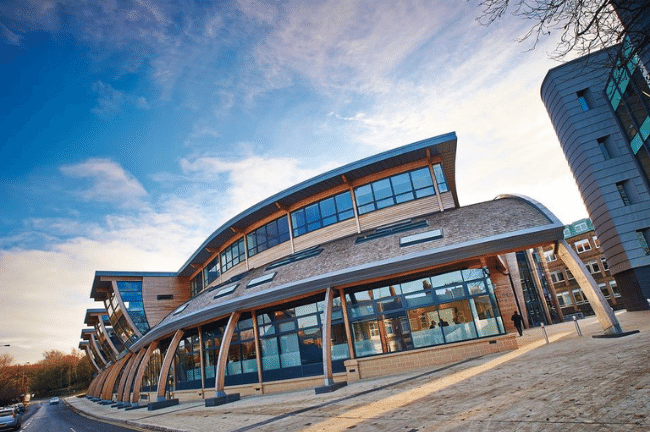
x: 584, y: 98
x: 626, y: 192
x: 606, y: 148
x: 644, y: 240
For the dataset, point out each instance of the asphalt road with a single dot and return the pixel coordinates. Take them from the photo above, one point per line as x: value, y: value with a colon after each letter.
x: 43, y: 417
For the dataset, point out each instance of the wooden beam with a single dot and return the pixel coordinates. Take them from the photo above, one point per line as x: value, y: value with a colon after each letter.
x: 167, y: 363
x: 220, y: 379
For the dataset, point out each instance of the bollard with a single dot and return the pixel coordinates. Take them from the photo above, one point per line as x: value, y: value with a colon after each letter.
x: 575, y: 320
x: 545, y: 334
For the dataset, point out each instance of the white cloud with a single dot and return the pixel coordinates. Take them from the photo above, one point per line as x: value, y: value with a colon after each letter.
x: 110, y: 183
x: 252, y: 179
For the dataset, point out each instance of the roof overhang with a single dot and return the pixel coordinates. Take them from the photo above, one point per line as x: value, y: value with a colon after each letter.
x: 458, y: 252
x: 442, y: 146
x: 102, y: 283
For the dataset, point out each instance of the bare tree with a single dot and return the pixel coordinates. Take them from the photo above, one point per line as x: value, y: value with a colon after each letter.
x: 585, y: 25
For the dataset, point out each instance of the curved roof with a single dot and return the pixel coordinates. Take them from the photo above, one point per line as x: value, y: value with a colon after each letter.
x: 443, y: 146
x: 508, y: 223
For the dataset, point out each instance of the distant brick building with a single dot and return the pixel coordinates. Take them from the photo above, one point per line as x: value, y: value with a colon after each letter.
x: 582, y: 237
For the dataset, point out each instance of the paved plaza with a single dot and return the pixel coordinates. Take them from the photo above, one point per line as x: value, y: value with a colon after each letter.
x: 573, y: 383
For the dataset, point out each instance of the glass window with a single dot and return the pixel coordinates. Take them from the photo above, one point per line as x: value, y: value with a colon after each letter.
x: 644, y: 240
x: 267, y: 236
x: 440, y: 178
x: 584, y: 99
x: 322, y: 213
x: 367, y: 340
x: 582, y: 246
x: 593, y: 267
x: 211, y: 272
x: 557, y: 276
x: 579, y: 296
x: 450, y: 292
x: 550, y: 256
x: 623, y: 189
x: 457, y: 321
x: 233, y: 255
x: 486, y: 320
x: 394, y: 190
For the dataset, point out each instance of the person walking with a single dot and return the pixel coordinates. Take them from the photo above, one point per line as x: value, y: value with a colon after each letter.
x: 518, y: 321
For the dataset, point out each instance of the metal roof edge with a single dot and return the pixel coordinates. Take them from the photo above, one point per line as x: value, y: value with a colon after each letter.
x: 436, y: 256
x: 439, y: 139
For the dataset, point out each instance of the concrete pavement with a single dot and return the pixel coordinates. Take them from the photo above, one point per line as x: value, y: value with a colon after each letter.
x: 573, y: 383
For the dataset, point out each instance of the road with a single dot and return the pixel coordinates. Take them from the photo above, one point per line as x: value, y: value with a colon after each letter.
x: 43, y: 417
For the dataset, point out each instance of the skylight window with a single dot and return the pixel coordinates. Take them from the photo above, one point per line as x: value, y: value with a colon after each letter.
x: 180, y: 309
x: 421, y: 237
x: 226, y: 290
x: 261, y: 280
x: 392, y: 229
x: 303, y: 254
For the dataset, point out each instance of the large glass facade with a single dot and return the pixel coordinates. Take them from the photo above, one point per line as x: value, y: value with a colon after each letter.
x: 394, y: 190
x: 629, y: 95
x: 131, y: 293
x: 444, y: 308
x: 291, y: 340
x: 187, y: 363
x: 427, y: 311
x: 152, y: 371
x: 118, y: 320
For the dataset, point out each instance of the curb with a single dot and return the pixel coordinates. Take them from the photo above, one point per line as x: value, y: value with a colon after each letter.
x: 110, y: 420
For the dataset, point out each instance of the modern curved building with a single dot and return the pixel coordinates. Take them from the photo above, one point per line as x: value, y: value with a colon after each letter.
x: 369, y: 269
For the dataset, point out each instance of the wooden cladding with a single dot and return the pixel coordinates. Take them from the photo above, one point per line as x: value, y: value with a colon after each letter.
x: 399, y: 212
x: 153, y: 287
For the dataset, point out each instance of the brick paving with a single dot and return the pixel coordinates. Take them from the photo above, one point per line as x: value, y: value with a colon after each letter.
x: 570, y: 384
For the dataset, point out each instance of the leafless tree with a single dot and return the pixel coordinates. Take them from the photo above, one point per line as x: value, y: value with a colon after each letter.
x: 584, y: 25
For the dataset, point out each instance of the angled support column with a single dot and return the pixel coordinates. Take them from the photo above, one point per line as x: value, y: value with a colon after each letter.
x: 123, y: 379
x: 220, y: 395
x: 326, y: 342
x: 95, y: 384
x: 97, y: 392
x: 109, y: 384
x: 137, y: 382
x: 603, y: 311
x: 126, y: 394
x: 161, y: 402
x: 100, y: 354
x: 92, y: 359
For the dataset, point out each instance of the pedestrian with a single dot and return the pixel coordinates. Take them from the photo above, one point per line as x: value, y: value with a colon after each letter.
x: 518, y: 321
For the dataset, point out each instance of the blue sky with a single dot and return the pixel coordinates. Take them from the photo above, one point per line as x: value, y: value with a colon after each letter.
x: 130, y: 130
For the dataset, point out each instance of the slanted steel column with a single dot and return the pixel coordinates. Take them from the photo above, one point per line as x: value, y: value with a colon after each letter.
x: 602, y: 309
x: 125, y: 377
x: 167, y: 362
x: 220, y: 379
x: 326, y: 342
x: 109, y: 384
x: 327, y: 337
x: 137, y: 383
x: 129, y: 380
